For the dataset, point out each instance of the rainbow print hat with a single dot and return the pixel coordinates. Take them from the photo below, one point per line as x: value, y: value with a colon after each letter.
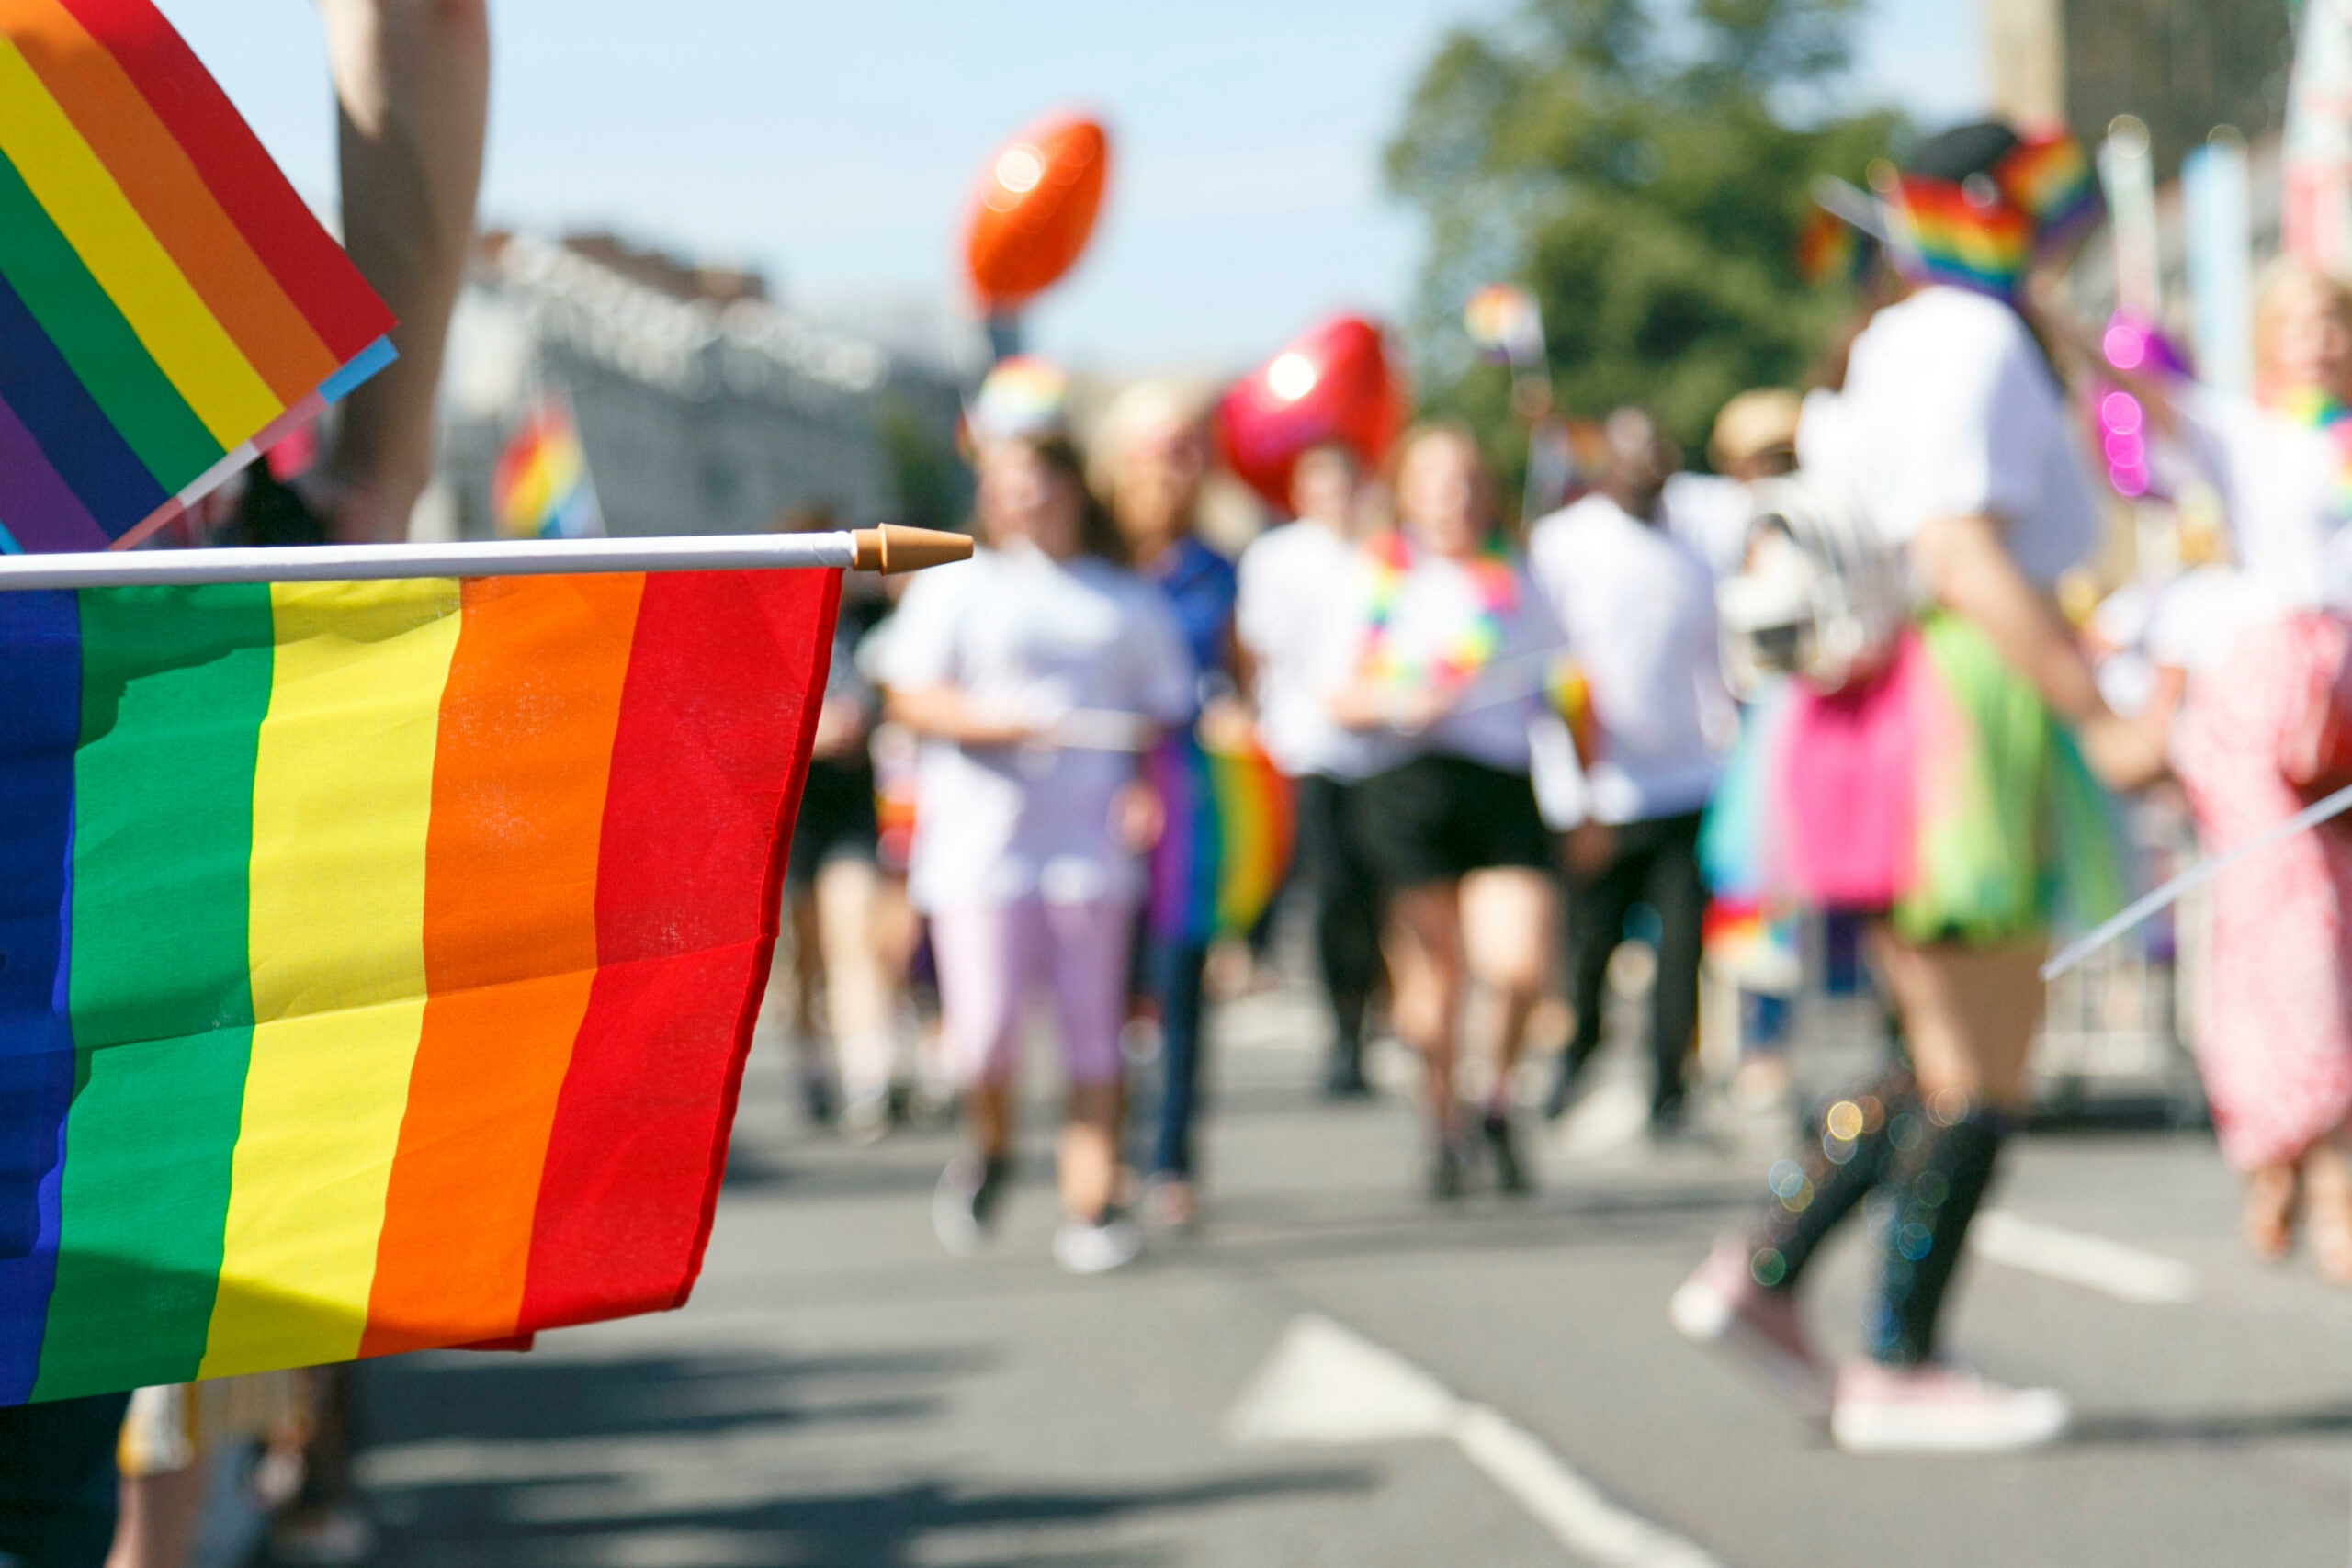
x: 1977, y: 204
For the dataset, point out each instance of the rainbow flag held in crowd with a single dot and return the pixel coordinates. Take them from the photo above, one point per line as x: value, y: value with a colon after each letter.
x: 380, y: 959
x: 1221, y: 860
x: 168, y: 306
x: 540, y: 488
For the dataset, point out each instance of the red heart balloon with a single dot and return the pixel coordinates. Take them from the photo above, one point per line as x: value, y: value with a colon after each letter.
x: 1331, y: 383
x: 1034, y: 209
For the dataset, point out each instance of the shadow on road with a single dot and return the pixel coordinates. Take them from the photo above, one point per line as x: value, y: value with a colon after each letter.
x: 2126, y: 1429
x: 695, y: 1460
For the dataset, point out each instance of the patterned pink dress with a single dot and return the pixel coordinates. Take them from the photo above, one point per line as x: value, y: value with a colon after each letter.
x: 2273, y: 1042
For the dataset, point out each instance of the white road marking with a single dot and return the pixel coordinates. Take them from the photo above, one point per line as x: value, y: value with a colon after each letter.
x: 2108, y: 1267
x: 1325, y: 1384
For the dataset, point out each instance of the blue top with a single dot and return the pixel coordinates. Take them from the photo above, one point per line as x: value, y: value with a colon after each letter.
x: 1201, y: 586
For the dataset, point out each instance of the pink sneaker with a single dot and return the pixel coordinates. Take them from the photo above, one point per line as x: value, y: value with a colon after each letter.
x: 1721, y: 1306
x: 1938, y: 1409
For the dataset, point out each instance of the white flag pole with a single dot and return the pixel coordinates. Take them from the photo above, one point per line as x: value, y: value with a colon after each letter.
x: 888, y: 548
x: 2143, y: 909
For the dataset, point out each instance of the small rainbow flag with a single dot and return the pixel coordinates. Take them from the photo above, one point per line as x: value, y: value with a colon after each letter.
x: 379, y: 958
x: 168, y: 306
x: 1506, y: 323
x: 1570, y: 693
x: 1832, y: 250
x: 540, y: 488
x: 1227, y: 847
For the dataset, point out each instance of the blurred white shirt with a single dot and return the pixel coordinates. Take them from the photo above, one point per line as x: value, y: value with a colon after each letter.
x: 1952, y: 411
x: 1293, y: 580
x: 1638, y: 608
x: 1023, y: 634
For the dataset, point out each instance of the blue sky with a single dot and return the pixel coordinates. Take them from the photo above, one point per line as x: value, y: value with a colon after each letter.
x: 831, y: 141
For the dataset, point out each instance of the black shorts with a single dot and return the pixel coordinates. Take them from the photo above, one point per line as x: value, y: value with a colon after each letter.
x: 1437, y: 819
x: 836, y: 821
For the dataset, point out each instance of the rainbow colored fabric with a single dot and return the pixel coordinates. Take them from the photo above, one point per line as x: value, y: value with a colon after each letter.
x: 1495, y: 579
x: 168, y: 306
x: 1940, y: 234
x: 2050, y: 176
x: 540, y: 488
x: 1830, y: 250
x: 1983, y: 233
x: 2316, y: 411
x: 1942, y: 793
x: 379, y: 959
x: 1227, y: 846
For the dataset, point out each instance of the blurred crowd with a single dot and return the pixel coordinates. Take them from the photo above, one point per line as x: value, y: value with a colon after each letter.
x: 1880, y: 663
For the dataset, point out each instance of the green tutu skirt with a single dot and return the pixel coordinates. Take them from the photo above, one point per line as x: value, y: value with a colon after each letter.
x: 1943, y: 795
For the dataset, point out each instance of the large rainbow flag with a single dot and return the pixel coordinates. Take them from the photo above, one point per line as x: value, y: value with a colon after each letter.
x: 168, y: 305
x: 378, y: 961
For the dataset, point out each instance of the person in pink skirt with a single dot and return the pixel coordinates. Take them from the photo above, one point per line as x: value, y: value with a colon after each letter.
x: 2260, y: 645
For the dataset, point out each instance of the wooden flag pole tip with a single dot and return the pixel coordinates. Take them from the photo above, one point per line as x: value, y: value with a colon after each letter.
x: 894, y: 547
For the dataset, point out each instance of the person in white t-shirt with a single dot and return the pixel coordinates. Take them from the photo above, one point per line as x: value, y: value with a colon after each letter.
x: 1291, y: 578
x: 1925, y: 794
x: 1437, y: 664
x: 1035, y: 674
x: 1638, y: 605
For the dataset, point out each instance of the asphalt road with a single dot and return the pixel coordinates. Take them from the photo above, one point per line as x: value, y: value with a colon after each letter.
x: 1331, y: 1371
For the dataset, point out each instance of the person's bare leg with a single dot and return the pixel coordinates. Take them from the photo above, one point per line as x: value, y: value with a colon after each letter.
x: 161, y: 1514
x: 802, y: 964
x: 411, y: 81
x: 988, y: 1112
x: 2327, y: 1187
x: 1424, y: 948
x: 1088, y: 1159
x: 1969, y: 1015
x: 1507, y: 919
x: 2268, y: 1220
x: 859, y: 998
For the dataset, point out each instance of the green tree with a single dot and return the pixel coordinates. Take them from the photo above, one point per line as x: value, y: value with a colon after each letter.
x: 1644, y: 167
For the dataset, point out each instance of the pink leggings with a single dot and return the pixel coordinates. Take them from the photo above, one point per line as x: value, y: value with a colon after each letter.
x: 991, y: 955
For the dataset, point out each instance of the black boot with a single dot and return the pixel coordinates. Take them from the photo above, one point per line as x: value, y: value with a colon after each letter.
x: 1344, y: 1079
x: 1510, y: 1175
x: 1816, y: 1189
x: 1937, y: 1182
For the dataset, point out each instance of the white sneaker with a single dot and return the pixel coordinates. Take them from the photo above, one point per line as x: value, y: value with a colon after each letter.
x: 963, y: 1206
x: 1082, y: 1249
x: 1940, y: 1410
x: 865, y: 1119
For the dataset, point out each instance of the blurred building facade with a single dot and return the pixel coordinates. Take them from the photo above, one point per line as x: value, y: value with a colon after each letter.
x: 2182, y: 66
x: 704, y: 407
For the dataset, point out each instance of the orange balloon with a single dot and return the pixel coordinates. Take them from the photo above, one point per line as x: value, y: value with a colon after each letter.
x: 1034, y: 209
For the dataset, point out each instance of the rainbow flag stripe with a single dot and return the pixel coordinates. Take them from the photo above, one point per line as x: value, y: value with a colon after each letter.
x: 2049, y: 177
x: 379, y: 959
x: 168, y: 306
x: 1939, y: 235
x: 1227, y: 848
